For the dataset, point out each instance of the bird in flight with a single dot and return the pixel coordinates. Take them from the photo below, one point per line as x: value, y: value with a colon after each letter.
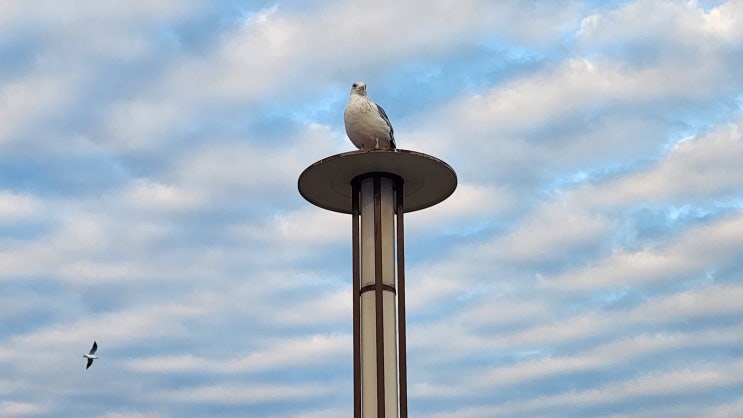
x: 367, y: 124
x: 91, y: 355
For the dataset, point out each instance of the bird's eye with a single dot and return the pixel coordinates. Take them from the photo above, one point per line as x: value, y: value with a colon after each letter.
x: 355, y: 85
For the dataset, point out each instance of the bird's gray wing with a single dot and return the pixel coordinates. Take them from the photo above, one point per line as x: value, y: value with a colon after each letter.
x: 94, y: 348
x: 90, y: 362
x: 383, y: 115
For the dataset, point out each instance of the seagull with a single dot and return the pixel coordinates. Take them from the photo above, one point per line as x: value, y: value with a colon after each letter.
x: 91, y: 355
x: 367, y: 124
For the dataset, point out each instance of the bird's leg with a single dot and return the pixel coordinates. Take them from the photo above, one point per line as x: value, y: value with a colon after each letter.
x: 377, y: 146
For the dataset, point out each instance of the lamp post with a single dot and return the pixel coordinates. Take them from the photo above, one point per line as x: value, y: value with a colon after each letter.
x: 376, y: 188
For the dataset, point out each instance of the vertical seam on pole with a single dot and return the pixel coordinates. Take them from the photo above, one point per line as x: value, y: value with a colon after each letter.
x: 378, y: 295
x: 355, y: 190
x: 402, y: 344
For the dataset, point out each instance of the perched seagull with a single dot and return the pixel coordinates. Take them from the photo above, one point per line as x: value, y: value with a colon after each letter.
x: 91, y: 355
x: 367, y: 125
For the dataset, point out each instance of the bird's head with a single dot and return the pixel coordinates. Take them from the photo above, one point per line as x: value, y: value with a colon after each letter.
x: 358, y: 87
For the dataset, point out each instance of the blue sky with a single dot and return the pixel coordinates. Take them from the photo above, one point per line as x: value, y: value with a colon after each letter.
x: 587, y: 265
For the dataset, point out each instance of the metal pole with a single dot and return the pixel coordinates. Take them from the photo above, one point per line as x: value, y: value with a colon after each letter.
x: 378, y: 322
x: 356, y: 299
x: 402, y: 344
x: 378, y: 297
x: 376, y: 181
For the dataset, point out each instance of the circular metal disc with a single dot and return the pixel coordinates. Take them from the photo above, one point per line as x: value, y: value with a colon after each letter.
x: 427, y: 180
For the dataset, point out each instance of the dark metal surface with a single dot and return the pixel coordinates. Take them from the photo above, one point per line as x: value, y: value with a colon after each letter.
x: 372, y: 287
x: 327, y: 183
x: 356, y: 301
x: 402, y: 342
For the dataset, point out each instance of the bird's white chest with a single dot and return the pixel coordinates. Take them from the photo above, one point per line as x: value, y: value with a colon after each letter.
x: 364, y: 126
x: 360, y: 111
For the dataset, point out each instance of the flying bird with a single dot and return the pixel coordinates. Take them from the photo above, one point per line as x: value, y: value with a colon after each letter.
x: 91, y: 355
x: 367, y: 124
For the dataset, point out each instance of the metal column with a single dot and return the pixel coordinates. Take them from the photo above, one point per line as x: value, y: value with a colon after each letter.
x: 379, y: 311
x: 368, y: 185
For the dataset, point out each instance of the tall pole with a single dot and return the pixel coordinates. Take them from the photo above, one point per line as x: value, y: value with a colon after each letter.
x: 376, y: 286
x: 376, y: 188
x: 356, y: 244
x: 401, y: 329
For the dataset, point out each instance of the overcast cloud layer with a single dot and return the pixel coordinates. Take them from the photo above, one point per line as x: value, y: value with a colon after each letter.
x: 588, y: 264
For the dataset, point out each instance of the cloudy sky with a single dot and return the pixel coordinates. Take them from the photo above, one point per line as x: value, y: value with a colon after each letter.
x: 588, y: 264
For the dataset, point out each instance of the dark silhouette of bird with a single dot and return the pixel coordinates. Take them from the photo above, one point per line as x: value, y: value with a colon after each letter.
x: 91, y: 355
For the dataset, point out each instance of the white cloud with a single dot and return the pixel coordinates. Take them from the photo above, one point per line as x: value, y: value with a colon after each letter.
x: 19, y: 206
x: 21, y: 409
x: 325, y: 307
x: 470, y: 207
x: 243, y: 394
x: 230, y: 167
x: 23, y: 101
x: 312, y: 226
x: 612, y: 355
x: 695, y: 169
x: 140, y: 125
x: 689, y: 381
x: 275, y: 44
x: 645, y: 20
x: 149, y: 195
x: 131, y: 414
x: 732, y: 409
x: 320, y: 413
x: 109, y: 328
x: 286, y: 352
x: 710, y: 302
x: 691, y: 255
x: 555, y: 231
